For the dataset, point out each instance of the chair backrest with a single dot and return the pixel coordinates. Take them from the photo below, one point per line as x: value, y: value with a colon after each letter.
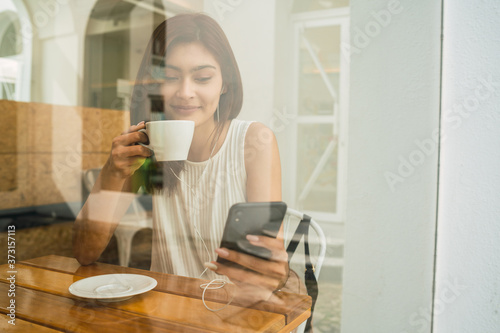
x: 292, y: 219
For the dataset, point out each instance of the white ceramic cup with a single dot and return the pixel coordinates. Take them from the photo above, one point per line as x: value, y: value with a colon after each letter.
x: 170, y: 140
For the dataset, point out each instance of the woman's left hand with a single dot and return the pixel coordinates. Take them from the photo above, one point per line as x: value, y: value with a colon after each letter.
x: 258, y: 278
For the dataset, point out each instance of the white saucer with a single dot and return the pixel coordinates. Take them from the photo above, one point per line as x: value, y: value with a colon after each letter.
x: 112, y: 287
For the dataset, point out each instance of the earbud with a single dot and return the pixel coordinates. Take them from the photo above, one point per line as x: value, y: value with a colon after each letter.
x: 223, y: 90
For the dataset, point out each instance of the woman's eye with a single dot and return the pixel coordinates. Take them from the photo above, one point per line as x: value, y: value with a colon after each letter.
x: 203, y: 79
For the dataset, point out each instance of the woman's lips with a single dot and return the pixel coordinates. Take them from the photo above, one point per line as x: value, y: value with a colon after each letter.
x: 185, y: 109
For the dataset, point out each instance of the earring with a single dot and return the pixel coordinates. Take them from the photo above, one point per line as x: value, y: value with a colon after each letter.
x: 217, y: 112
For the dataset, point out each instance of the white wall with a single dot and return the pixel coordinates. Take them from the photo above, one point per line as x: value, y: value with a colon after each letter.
x: 59, y: 70
x: 58, y: 33
x: 468, y: 244
x: 391, y: 205
x: 249, y: 26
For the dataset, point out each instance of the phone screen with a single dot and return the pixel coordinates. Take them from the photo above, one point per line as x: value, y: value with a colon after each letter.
x: 252, y: 218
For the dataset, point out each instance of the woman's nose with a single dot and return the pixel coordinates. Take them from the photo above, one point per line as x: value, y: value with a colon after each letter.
x: 186, y: 89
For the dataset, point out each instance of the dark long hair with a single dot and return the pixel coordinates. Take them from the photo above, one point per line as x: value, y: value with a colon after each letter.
x: 183, y: 28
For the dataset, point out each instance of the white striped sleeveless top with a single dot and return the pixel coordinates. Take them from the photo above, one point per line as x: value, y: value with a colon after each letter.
x: 200, y: 209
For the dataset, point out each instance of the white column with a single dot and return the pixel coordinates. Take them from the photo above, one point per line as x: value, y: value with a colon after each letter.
x: 392, y: 166
x: 467, y: 295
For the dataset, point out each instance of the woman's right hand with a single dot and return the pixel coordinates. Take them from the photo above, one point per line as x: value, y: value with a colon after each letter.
x: 126, y: 155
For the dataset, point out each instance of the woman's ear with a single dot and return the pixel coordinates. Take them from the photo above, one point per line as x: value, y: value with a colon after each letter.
x: 223, y: 90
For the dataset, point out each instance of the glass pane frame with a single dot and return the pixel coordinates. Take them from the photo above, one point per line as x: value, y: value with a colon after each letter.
x: 337, y: 120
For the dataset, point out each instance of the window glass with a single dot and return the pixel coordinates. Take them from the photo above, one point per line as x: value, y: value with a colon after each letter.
x: 76, y: 77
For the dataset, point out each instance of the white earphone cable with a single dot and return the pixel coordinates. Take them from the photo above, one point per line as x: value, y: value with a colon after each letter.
x: 220, y: 282
x: 206, y: 286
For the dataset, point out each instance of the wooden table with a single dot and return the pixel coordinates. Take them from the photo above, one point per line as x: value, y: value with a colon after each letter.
x: 44, y: 304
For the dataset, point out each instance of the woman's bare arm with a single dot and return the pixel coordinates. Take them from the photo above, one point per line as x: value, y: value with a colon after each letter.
x: 263, y: 169
x: 110, y: 196
x: 262, y: 163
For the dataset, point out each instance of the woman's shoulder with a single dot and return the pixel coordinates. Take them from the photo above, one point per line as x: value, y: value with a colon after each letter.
x: 259, y: 134
x: 260, y: 145
x: 255, y: 137
x: 250, y: 132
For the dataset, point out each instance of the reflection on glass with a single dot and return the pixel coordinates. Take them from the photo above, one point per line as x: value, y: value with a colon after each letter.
x: 313, y: 5
x: 318, y: 121
x: 86, y: 57
x: 11, y: 52
x: 316, y: 143
x: 319, y: 70
x: 318, y: 152
x: 116, y: 37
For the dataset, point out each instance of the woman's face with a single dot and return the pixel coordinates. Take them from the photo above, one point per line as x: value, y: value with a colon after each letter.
x: 193, y: 84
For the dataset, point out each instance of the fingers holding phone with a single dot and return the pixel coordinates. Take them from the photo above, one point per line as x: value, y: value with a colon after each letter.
x: 275, y: 245
x: 251, y: 255
x: 256, y: 278
x: 275, y: 267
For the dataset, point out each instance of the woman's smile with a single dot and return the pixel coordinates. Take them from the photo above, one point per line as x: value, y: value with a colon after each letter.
x: 185, y: 110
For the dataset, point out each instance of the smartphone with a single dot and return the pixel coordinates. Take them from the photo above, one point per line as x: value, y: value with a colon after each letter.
x: 252, y: 218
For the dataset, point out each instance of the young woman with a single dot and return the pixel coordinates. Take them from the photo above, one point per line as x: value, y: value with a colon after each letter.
x: 190, y: 62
